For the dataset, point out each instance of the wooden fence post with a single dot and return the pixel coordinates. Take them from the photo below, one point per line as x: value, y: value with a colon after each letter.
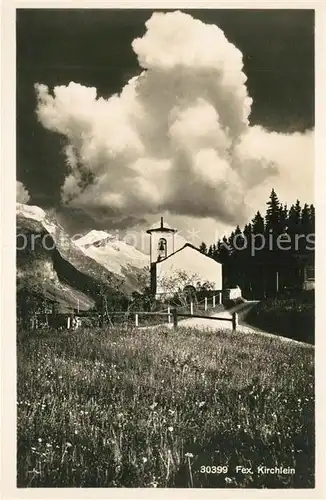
x: 191, y: 307
x: 213, y: 300
x: 234, y: 321
x: 169, y: 315
x: 55, y: 315
x: 175, y: 317
x: 205, y: 303
x: 136, y: 319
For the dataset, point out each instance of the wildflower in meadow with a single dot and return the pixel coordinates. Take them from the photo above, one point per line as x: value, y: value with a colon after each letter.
x: 170, y: 428
x: 34, y: 471
x: 189, y: 455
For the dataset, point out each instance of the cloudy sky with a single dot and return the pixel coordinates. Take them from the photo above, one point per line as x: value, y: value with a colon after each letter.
x: 124, y: 115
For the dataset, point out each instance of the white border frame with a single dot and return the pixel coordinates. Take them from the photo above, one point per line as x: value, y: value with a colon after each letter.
x: 8, y: 270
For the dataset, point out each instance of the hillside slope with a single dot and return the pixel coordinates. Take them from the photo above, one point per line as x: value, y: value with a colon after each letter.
x: 42, y: 269
x: 97, y: 254
x: 48, y: 262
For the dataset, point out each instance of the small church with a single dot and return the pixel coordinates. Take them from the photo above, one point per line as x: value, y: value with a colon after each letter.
x: 167, y: 263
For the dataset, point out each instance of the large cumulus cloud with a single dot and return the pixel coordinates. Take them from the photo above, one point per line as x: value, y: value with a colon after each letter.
x: 177, y: 138
x: 22, y: 194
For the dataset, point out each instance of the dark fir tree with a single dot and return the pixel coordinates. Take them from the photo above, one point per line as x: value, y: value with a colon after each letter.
x: 203, y: 248
x: 306, y: 229
x: 260, y: 272
x: 273, y: 214
x: 258, y: 225
x: 223, y: 250
x: 284, y: 218
x: 294, y: 225
x: 248, y: 262
x: 305, y: 219
x: 312, y: 218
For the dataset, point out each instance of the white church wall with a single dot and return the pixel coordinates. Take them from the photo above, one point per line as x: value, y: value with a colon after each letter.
x: 232, y: 293
x: 197, y: 266
x: 235, y: 293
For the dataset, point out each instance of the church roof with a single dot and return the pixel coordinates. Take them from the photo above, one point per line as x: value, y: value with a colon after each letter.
x: 182, y: 248
x: 161, y: 226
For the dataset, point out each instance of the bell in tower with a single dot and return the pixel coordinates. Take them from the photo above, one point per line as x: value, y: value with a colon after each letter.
x: 162, y: 247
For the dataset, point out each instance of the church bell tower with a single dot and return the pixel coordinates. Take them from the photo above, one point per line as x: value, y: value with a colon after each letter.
x: 161, y: 241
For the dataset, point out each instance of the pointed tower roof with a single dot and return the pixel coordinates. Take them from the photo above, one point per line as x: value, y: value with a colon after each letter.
x: 162, y: 227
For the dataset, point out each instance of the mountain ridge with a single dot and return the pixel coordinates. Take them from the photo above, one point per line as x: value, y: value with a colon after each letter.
x: 112, y: 253
x: 50, y: 261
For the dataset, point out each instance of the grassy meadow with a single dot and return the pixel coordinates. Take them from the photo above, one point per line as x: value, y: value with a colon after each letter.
x: 152, y: 407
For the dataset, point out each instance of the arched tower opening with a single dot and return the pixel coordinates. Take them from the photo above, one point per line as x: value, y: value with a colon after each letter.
x: 161, y: 241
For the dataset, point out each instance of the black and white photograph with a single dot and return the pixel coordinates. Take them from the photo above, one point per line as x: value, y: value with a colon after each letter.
x: 165, y: 248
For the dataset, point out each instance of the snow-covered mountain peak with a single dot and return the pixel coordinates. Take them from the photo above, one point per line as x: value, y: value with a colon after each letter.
x: 93, y: 238
x: 110, y: 252
x: 36, y: 213
x: 30, y: 211
x: 106, y: 249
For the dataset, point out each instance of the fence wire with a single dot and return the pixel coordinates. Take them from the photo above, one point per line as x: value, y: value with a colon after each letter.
x: 130, y: 318
x: 162, y: 316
